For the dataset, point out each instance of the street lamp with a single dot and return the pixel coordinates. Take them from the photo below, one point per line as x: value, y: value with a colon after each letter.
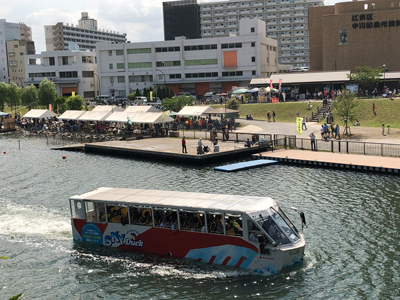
x: 99, y: 83
x: 384, y: 77
x: 165, y: 80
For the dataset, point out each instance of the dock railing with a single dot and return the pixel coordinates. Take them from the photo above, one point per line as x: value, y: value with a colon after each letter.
x: 339, y: 146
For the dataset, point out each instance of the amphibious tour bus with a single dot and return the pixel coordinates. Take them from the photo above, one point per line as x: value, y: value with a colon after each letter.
x: 239, y: 231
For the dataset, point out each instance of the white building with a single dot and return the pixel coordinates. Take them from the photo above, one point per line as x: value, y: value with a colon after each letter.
x: 195, y: 65
x: 80, y: 37
x: 8, y: 32
x: 70, y: 70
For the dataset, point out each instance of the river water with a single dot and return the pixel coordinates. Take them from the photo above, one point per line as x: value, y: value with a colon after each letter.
x: 352, y: 241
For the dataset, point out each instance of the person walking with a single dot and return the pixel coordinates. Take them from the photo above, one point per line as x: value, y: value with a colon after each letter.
x: 304, y: 124
x: 388, y: 129
x: 322, y: 132
x: 269, y: 116
x: 337, y: 131
x: 383, y: 129
x: 312, y: 137
x: 184, y: 150
x: 273, y: 116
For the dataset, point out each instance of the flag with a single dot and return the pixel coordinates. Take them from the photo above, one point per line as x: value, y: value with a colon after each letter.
x: 280, y: 84
x: 50, y: 107
x: 151, y: 96
x: 270, y: 85
x: 163, y: 118
x: 299, y: 128
x: 73, y: 94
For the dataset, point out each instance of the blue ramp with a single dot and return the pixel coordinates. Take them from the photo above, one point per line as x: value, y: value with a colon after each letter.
x: 246, y: 165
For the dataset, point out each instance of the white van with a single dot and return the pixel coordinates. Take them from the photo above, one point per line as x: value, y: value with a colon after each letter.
x: 140, y: 100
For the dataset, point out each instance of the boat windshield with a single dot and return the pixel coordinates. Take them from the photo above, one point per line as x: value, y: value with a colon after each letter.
x: 269, y: 225
x: 288, y: 228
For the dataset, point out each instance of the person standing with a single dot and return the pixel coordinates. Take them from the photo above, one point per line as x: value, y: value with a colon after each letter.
x: 373, y: 108
x: 337, y: 131
x: 269, y: 116
x: 312, y: 136
x: 273, y: 116
x: 184, y: 150
x: 383, y: 129
x: 284, y: 96
x: 322, y: 132
x: 388, y: 129
x: 375, y: 92
x: 304, y: 124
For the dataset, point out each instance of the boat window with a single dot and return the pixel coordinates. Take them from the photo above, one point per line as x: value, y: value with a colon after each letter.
x: 269, y: 225
x: 281, y: 221
x: 164, y: 218
x: 255, y: 234
x: 117, y: 214
x: 95, y: 212
x: 214, y: 223
x: 77, y: 210
x: 141, y: 216
x: 233, y: 225
x: 192, y: 220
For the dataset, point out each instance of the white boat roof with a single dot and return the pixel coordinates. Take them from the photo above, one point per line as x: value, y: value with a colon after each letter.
x: 184, y: 200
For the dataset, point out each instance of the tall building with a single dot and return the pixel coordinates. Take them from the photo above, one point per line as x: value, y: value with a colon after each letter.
x: 358, y: 33
x: 8, y: 32
x: 70, y: 70
x: 16, y: 52
x: 181, y: 18
x: 194, y: 66
x: 83, y: 36
x: 26, y: 32
x: 286, y: 21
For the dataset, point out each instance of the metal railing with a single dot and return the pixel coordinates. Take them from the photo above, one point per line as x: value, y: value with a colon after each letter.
x: 339, y: 146
x: 314, y: 112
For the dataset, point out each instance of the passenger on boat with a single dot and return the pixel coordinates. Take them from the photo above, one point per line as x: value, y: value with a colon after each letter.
x: 174, y: 226
x: 124, y: 219
x: 220, y: 228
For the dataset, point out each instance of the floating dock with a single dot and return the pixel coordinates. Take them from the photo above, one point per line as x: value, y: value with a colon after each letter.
x: 245, y: 165
x: 354, y: 162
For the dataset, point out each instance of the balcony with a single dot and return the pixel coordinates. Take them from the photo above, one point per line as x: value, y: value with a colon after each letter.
x: 245, y: 5
x: 222, y: 32
x: 232, y: 18
x: 258, y: 4
x: 218, y: 13
x: 232, y: 12
x: 207, y: 14
x: 206, y: 21
x: 206, y: 33
x: 205, y: 8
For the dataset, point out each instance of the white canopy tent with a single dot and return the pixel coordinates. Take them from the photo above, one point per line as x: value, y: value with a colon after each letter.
x: 39, y: 114
x: 95, y: 116
x: 120, y: 116
x: 111, y: 108
x: 194, y: 111
x: 71, y: 115
x: 142, y: 108
x: 151, y: 118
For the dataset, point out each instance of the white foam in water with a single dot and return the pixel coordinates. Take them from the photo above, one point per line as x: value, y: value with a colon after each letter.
x: 29, y: 220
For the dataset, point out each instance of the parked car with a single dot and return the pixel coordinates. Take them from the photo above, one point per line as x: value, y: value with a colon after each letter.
x: 299, y: 69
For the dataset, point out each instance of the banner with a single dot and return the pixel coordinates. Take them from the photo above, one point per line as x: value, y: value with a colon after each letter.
x: 299, y: 123
x: 50, y: 107
x: 151, y: 96
x: 270, y: 84
x: 280, y: 84
x: 163, y: 118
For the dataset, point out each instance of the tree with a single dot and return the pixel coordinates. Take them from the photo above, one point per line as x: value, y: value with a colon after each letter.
x: 233, y: 104
x: 345, y: 106
x: 145, y: 93
x: 131, y: 96
x: 75, y: 102
x: 366, y: 77
x: 138, y: 93
x: 13, y: 95
x: 3, y: 95
x: 60, y: 105
x: 29, y: 96
x: 47, y: 92
x: 170, y: 93
x: 177, y: 103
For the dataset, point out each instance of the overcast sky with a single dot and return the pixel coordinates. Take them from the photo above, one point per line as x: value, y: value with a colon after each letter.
x: 142, y: 20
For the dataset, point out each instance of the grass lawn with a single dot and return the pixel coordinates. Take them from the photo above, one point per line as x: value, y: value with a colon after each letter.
x: 285, y: 112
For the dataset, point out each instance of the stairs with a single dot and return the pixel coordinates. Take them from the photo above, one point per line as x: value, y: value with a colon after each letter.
x: 321, y: 113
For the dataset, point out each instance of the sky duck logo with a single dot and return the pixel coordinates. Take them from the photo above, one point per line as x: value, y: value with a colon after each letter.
x: 128, y: 239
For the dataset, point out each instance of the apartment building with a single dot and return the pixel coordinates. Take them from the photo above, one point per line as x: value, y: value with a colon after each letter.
x: 26, y: 32
x: 8, y: 32
x: 70, y: 70
x: 83, y: 36
x: 16, y: 52
x: 188, y: 65
x: 286, y: 21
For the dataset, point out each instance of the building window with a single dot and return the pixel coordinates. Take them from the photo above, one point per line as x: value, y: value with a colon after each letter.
x: 21, y: 53
x: 119, y: 52
x: 253, y: 44
x: 15, y: 46
x: 87, y: 59
x: 139, y: 65
x: 174, y: 63
x: 237, y: 73
x: 111, y: 79
x: 109, y: 52
x: 87, y: 74
x: 64, y: 60
x: 253, y: 72
x: 52, y: 61
x: 121, y: 79
x: 120, y: 65
x: 141, y: 78
x: 252, y: 29
x: 197, y: 75
x: 71, y: 74
x: 253, y: 59
x: 199, y: 62
x: 89, y: 94
x: 110, y: 66
x: 140, y: 50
